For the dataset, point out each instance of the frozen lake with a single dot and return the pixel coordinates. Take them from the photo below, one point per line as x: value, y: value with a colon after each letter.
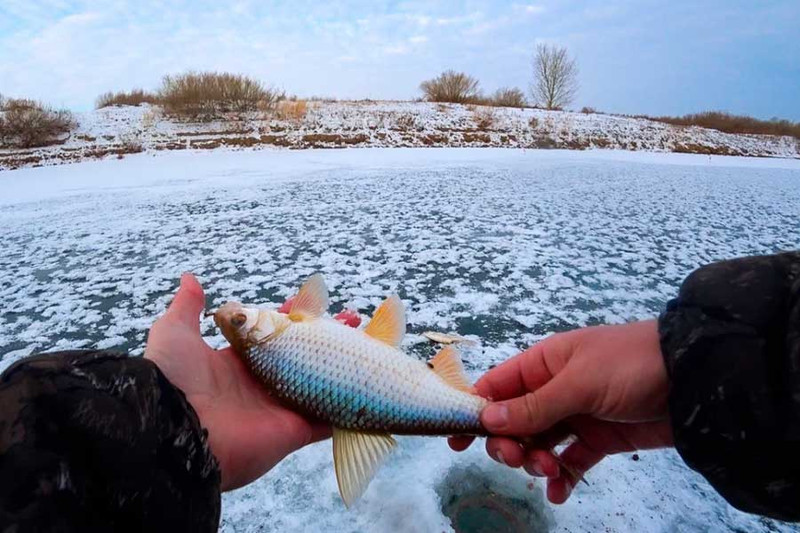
x: 505, y: 245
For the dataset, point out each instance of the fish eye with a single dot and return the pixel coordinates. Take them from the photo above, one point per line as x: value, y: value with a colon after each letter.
x: 238, y: 320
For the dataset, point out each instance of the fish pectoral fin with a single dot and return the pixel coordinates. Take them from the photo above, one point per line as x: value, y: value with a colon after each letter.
x: 388, y: 324
x: 447, y: 364
x: 356, y: 458
x: 311, y: 301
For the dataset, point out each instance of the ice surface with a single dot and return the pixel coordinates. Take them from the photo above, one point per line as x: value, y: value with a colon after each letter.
x: 503, y: 245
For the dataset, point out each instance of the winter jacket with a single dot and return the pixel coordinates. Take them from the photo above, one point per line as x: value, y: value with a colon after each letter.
x: 94, y: 441
x: 731, y: 343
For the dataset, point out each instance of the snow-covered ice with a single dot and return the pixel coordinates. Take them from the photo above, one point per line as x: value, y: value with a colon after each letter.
x: 503, y: 245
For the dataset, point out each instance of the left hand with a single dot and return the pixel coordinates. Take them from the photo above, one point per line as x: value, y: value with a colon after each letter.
x: 249, y: 431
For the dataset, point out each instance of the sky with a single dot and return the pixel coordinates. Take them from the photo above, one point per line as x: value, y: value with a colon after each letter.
x: 648, y: 56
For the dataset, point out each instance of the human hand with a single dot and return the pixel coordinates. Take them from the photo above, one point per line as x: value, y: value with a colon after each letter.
x: 607, y: 385
x: 248, y: 430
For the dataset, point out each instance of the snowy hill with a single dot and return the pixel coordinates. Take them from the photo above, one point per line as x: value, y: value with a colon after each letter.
x: 116, y: 131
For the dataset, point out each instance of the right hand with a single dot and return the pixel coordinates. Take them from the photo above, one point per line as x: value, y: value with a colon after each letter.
x: 607, y: 385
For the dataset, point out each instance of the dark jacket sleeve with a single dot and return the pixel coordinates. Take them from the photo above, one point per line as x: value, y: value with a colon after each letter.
x: 731, y: 343
x: 94, y: 441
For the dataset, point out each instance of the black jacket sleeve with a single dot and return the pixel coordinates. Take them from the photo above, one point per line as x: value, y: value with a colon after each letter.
x: 731, y: 343
x: 94, y: 441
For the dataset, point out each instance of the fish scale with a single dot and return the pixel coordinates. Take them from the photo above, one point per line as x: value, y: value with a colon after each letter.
x: 355, y: 382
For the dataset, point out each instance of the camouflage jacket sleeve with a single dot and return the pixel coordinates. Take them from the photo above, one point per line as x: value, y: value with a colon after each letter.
x: 731, y: 343
x: 94, y: 441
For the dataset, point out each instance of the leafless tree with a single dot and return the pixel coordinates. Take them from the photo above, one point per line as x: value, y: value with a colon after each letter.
x: 555, y: 77
x: 451, y: 86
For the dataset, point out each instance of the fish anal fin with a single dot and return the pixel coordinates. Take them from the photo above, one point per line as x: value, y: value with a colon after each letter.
x: 356, y: 458
x: 447, y: 365
x: 388, y: 324
x: 311, y: 301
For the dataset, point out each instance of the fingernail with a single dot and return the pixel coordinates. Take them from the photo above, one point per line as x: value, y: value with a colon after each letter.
x: 495, y: 417
x: 500, y: 457
x: 534, y: 469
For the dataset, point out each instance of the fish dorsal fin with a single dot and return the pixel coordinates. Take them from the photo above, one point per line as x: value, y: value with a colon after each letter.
x: 388, y: 324
x: 356, y: 458
x: 447, y: 365
x: 311, y: 301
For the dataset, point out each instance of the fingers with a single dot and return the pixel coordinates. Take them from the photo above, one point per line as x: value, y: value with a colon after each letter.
x: 348, y: 317
x: 541, y: 463
x: 535, y: 411
x: 188, y: 303
x: 286, y: 307
x: 505, y: 451
x: 579, y: 458
x: 460, y: 443
x: 527, y: 371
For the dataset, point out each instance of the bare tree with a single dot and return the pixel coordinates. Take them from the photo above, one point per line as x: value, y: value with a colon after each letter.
x: 451, y: 86
x: 555, y: 76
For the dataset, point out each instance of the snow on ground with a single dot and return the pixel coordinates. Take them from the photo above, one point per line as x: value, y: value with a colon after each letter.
x: 503, y: 245
x: 118, y: 131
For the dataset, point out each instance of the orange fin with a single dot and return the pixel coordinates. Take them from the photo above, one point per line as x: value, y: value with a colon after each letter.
x: 447, y: 364
x: 388, y: 324
x: 312, y: 300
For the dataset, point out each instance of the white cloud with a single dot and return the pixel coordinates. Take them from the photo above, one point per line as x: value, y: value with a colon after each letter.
x: 529, y: 9
x: 418, y: 39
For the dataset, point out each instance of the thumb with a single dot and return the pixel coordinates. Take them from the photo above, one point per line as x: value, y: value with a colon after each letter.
x: 188, y: 303
x: 534, y: 412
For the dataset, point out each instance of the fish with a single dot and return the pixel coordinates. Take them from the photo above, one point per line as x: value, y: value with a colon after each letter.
x: 446, y: 338
x: 359, y: 381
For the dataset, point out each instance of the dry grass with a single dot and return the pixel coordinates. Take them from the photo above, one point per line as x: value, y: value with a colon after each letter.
x: 451, y: 86
x: 27, y: 123
x: 294, y: 110
x: 207, y: 94
x: 132, y: 98
x: 725, y: 122
x: 405, y: 122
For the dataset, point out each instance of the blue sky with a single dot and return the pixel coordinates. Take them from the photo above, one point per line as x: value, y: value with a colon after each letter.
x: 651, y: 57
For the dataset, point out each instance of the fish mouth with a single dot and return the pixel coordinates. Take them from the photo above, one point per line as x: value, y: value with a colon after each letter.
x: 223, y: 318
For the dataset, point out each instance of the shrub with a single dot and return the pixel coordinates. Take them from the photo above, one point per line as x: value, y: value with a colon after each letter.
x: 508, y: 97
x: 588, y: 110
x: 27, y: 123
x: 292, y: 109
x: 209, y: 93
x: 133, y: 98
x: 451, y: 86
x: 721, y: 121
x: 484, y: 118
